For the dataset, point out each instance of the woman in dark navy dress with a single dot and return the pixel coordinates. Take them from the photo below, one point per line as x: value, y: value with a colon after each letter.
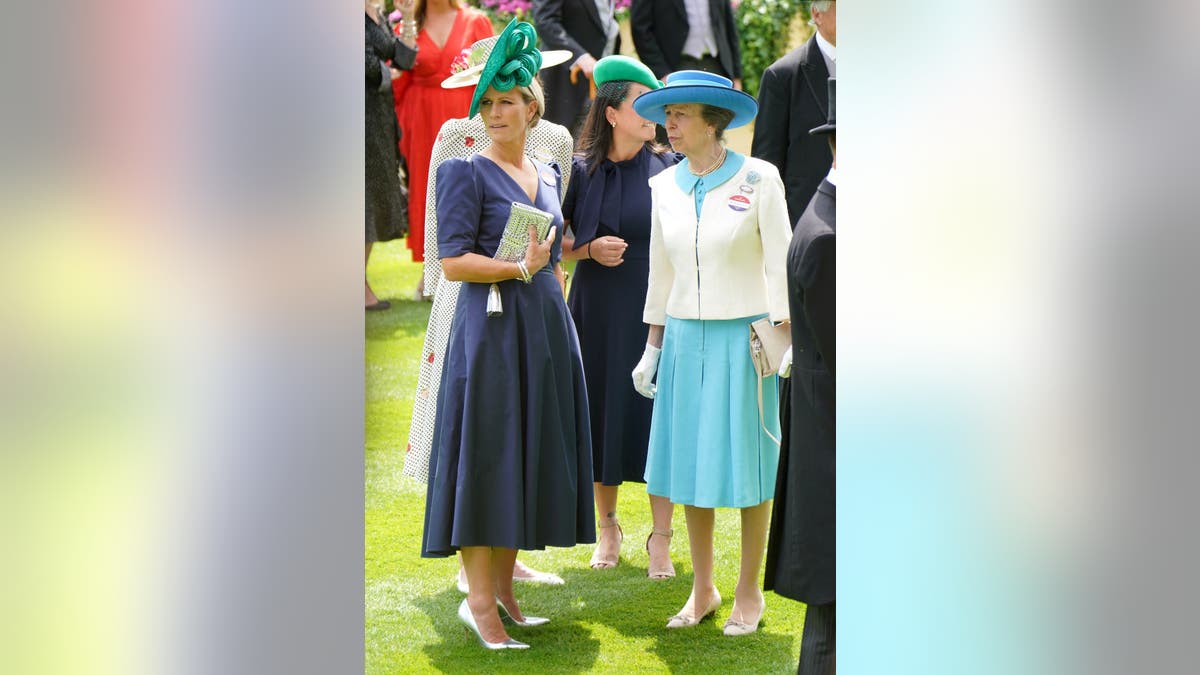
x: 510, y: 466
x: 608, y: 208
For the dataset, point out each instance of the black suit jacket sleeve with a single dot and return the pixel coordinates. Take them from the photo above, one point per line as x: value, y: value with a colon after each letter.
x: 734, y: 42
x: 548, y: 17
x: 641, y: 25
x: 774, y: 113
x: 820, y: 298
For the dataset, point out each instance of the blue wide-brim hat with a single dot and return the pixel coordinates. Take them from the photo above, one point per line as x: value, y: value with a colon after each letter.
x: 697, y: 86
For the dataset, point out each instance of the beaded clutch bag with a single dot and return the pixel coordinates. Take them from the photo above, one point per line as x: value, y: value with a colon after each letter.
x: 514, y: 241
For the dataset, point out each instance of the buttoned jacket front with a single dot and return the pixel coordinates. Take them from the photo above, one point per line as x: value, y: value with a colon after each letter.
x: 728, y: 263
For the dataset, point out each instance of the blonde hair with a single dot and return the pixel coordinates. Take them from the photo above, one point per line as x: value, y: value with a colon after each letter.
x: 534, y: 93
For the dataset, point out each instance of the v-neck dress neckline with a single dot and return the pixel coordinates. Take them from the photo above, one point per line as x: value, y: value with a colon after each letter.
x: 458, y: 15
x: 537, y: 174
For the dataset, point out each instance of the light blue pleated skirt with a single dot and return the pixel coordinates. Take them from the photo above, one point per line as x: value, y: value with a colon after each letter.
x: 707, y: 445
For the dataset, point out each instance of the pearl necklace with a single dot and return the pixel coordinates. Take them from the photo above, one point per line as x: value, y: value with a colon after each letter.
x: 719, y: 162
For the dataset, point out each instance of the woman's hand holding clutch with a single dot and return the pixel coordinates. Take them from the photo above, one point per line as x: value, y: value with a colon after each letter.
x: 537, y: 255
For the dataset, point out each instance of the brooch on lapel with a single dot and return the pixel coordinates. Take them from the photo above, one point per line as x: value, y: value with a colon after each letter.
x: 753, y: 178
x: 738, y: 203
x: 746, y: 189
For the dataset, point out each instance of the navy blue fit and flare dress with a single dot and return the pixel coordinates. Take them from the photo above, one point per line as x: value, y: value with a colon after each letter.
x: 606, y: 304
x: 511, y: 462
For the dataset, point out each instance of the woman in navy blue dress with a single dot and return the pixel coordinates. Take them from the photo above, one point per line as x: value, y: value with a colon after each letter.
x: 510, y: 466
x: 608, y: 208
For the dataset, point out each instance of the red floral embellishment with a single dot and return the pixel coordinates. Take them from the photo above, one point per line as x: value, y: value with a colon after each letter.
x: 408, y: 447
x: 430, y: 357
x: 468, y: 141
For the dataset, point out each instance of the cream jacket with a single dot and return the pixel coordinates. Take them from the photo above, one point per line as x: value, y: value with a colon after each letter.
x: 729, y: 264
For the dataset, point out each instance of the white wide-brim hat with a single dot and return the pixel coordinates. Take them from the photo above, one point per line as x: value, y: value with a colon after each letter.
x: 479, y: 55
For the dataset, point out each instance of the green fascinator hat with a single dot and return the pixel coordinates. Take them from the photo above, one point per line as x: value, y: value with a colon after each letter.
x: 619, y: 68
x: 514, y: 60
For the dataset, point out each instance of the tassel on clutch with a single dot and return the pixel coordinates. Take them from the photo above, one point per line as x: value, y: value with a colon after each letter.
x: 494, y: 306
x: 514, y: 242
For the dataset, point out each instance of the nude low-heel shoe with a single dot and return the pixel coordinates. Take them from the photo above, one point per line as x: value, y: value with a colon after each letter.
x: 684, y: 621
x: 464, y: 614
x: 734, y: 627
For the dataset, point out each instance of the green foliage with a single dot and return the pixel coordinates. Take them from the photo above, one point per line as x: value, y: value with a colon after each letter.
x: 764, y: 28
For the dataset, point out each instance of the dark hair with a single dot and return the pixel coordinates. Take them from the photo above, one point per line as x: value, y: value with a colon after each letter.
x: 595, y: 136
x: 718, y: 117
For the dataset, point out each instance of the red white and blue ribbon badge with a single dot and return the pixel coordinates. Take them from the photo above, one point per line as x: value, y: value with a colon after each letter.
x: 739, y: 202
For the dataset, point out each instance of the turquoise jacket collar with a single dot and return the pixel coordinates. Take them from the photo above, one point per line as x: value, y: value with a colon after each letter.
x: 686, y: 180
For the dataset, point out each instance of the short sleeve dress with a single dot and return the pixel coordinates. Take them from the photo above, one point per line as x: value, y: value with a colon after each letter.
x: 510, y: 464
x: 606, y: 304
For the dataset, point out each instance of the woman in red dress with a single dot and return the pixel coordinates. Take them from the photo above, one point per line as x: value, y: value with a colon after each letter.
x: 444, y: 29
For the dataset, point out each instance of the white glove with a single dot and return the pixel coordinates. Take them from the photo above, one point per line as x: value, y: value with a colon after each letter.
x: 644, y: 372
x: 785, y: 364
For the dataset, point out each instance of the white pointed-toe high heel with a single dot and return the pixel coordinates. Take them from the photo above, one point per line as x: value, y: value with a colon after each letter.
x: 464, y: 614
x: 529, y: 620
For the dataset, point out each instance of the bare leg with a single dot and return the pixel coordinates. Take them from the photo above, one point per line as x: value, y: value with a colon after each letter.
x: 523, y: 572
x: 478, y: 561
x: 608, y: 548
x: 520, y: 571
x: 700, y: 536
x: 503, y: 560
x: 748, y: 599
x: 658, y: 548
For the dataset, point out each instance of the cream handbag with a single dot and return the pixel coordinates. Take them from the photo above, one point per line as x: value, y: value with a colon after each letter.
x: 768, y: 343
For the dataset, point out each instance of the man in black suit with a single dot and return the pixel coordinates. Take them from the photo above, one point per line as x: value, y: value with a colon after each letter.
x: 587, y: 29
x: 792, y: 99
x: 802, y: 544
x: 672, y: 35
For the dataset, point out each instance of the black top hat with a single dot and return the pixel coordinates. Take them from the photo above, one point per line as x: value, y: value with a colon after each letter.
x: 829, y: 127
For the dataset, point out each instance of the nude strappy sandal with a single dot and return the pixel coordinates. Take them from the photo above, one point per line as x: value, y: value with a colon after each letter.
x: 667, y: 572
x: 600, y: 562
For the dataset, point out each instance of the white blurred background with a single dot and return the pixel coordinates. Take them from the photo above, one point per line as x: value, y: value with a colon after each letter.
x: 181, y: 436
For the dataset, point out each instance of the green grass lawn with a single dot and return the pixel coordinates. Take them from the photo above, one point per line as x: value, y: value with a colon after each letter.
x: 601, y: 621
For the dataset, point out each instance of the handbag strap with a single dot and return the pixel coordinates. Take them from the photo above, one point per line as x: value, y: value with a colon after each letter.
x: 761, y: 419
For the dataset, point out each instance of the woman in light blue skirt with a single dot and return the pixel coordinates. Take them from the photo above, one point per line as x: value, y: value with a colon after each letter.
x: 707, y: 409
x: 718, y: 246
